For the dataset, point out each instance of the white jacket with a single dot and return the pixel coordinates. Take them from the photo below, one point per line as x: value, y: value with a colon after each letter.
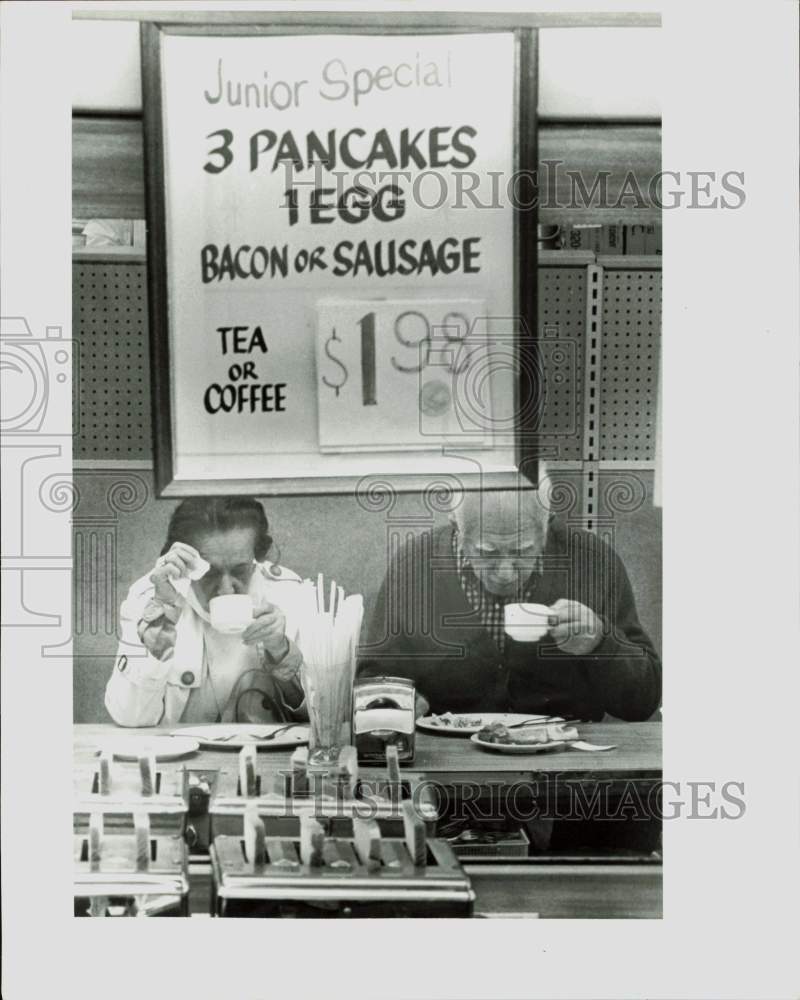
x: 146, y: 691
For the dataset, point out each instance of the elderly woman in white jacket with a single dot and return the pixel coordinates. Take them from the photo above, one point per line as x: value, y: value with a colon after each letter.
x: 172, y: 665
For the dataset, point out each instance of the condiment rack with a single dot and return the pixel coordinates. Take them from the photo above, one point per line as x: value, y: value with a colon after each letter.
x: 129, y: 854
x: 314, y: 874
x: 334, y: 796
x: 110, y: 787
x: 131, y: 873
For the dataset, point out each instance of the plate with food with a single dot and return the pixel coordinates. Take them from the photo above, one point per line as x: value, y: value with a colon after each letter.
x: 542, y: 738
x: 234, y: 736
x: 470, y: 723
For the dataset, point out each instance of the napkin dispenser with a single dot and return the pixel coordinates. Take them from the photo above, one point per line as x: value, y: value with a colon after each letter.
x: 383, y: 715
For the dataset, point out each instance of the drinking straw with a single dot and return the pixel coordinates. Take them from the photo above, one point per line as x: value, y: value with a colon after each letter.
x: 329, y: 639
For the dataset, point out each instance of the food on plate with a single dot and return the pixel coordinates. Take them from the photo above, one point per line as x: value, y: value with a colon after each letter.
x: 496, y: 732
x: 555, y: 732
x: 455, y: 721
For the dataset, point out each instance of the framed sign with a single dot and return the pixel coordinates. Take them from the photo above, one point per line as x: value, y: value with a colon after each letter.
x: 341, y: 254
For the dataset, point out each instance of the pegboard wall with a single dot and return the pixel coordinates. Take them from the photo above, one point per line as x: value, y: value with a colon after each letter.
x: 630, y: 349
x: 109, y: 323
x: 562, y: 334
x: 110, y: 327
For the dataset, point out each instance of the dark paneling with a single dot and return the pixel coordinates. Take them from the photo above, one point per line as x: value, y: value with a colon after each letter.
x: 621, y: 159
x: 107, y: 168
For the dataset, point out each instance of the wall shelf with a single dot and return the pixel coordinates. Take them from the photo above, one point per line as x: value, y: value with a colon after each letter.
x: 565, y: 258
x: 634, y: 261
x: 109, y: 255
x: 585, y: 258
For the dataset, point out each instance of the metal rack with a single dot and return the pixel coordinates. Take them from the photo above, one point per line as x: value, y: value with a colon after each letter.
x: 129, y: 853
x: 352, y: 854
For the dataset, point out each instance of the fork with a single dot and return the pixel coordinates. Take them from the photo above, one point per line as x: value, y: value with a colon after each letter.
x: 542, y: 722
x: 254, y: 736
x: 274, y: 733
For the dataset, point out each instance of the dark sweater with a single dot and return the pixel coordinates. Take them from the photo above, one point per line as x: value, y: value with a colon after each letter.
x: 424, y: 628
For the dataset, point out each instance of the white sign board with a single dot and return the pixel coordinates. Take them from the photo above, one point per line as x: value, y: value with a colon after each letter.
x: 301, y: 169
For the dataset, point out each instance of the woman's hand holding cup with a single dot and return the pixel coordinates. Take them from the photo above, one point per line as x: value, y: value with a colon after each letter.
x: 269, y: 629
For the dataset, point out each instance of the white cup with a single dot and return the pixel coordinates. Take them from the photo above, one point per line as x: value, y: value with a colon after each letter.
x: 528, y: 622
x: 232, y: 613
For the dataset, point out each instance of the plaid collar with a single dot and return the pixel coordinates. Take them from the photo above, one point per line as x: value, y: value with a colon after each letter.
x: 487, y: 605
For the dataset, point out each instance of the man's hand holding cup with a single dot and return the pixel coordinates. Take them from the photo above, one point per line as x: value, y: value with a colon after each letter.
x: 578, y: 630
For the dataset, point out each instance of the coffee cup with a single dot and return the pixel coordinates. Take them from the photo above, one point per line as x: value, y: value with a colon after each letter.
x: 231, y: 613
x: 528, y: 622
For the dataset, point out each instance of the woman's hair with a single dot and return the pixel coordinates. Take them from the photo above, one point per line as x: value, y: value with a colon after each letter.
x: 210, y: 515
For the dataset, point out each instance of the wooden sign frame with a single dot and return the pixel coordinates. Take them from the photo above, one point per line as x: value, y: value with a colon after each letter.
x: 528, y: 396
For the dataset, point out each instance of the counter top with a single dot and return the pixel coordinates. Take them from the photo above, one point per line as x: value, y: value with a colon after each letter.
x: 447, y: 758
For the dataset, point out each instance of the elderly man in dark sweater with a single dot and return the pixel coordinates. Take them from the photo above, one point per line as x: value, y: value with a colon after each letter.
x: 439, y: 617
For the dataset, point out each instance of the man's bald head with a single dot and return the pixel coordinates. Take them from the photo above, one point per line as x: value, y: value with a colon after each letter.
x: 503, y: 534
x: 501, y: 511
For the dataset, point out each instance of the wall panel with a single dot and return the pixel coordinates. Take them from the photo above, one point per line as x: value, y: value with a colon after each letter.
x: 630, y: 349
x: 562, y: 333
x: 109, y: 322
x: 107, y: 168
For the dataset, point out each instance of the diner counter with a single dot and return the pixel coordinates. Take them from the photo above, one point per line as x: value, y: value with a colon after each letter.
x: 637, y: 754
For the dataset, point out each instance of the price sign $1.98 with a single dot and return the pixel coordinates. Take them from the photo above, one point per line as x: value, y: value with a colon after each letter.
x: 389, y: 372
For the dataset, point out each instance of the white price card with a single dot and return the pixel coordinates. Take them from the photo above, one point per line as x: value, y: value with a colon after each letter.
x: 403, y: 374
